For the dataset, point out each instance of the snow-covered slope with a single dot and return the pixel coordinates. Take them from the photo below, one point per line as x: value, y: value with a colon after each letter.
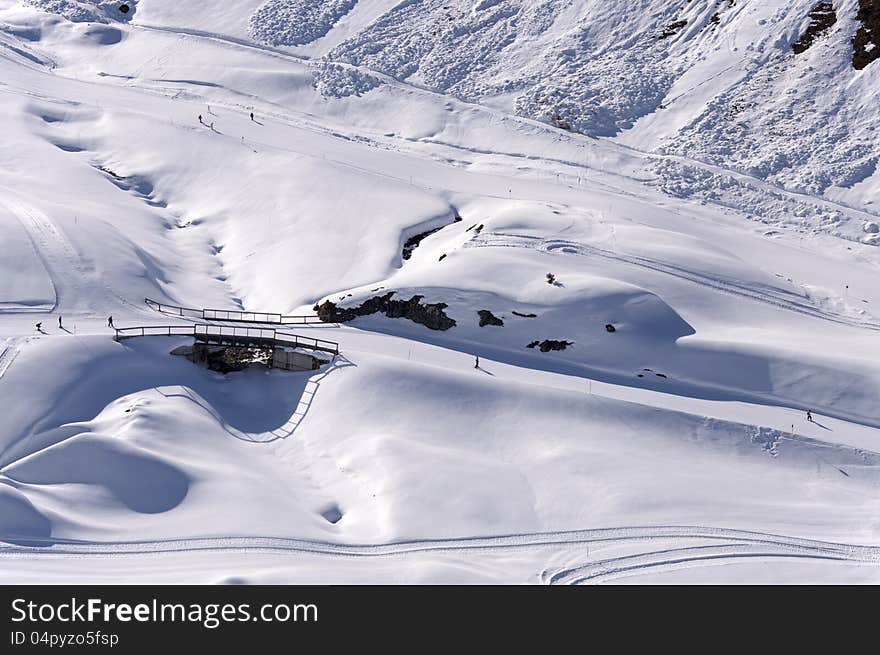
x: 412, y: 172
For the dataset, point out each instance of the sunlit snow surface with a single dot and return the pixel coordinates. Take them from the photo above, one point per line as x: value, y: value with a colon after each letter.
x: 673, y: 449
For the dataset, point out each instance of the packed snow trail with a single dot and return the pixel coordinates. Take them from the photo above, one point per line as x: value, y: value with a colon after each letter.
x: 72, y: 275
x: 725, y: 544
x: 8, y: 352
x: 53, y: 249
x: 688, y: 557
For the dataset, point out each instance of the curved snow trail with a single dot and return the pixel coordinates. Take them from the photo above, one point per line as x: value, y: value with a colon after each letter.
x: 781, y: 300
x: 70, y: 274
x: 687, y: 557
x: 735, y: 544
x: 42, y: 235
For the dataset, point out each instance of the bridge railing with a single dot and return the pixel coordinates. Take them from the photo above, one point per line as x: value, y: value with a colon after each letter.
x: 298, y: 341
x: 232, y: 315
x: 155, y: 331
x: 224, y: 333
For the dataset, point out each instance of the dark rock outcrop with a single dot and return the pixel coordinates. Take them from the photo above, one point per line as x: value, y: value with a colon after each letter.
x: 550, y: 344
x: 610, y: 328
x: 413, y: 242
x: 488, y: 318
x: 822, y: 17
x: 227, y: 359
x: 431, y: 315
x: 866, y: 42
x: 672, y: 29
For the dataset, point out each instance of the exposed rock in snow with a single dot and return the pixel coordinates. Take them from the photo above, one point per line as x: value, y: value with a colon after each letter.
x: 822, y: 18
x: 431, y: 315
x: 547, y: 345
x: 866, y: 42
x: 488, y: 318
x: 88, y: 11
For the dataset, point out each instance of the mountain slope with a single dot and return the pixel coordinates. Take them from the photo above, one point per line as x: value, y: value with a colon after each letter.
x: 412, y: 173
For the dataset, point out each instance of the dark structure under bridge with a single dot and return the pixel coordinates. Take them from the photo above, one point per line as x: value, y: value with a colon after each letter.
x: 282, y: 349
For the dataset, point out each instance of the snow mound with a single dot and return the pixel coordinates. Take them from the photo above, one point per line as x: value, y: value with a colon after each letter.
x: 296, y: 22
x: 20, y: 522
x: 337, y: 81
x: 137, y: 479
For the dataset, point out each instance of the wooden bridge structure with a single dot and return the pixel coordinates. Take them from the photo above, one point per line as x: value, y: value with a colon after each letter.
x: 239, y: 337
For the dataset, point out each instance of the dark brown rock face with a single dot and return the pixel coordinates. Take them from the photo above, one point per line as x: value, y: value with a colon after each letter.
x: 430, y: 315
x: 413, y: 242
x: 550, y: 344
x: 822, y: 17
x: 866, y: 42
x: 488, y: 318
x: 671, y: 29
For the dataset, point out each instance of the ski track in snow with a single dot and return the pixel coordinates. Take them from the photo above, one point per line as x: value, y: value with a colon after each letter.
x: 788, y: 302
x: 731, y: 545
x: 8, y: 352
x: 41, y: 233
x: 68, y: 270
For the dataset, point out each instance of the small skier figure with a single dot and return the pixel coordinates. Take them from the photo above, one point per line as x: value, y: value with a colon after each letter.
x: 809, y: 416
x: 252, y: 116
x: 39, y: 327
x: 200, y: 120
x: 59, y: 323
x: 110, y: 322
x: 477, y: 364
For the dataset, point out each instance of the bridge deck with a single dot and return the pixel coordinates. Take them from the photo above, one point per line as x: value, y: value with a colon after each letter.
x: 243, y: 337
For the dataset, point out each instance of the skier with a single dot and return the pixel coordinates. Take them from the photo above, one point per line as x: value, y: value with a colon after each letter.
x: 809, y: 416
x: 110, y: 322
x: 59, y: 323
x: 200, y: 120
x: 252, y: 116
x: 477, y: 364
x: 39, y: 327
